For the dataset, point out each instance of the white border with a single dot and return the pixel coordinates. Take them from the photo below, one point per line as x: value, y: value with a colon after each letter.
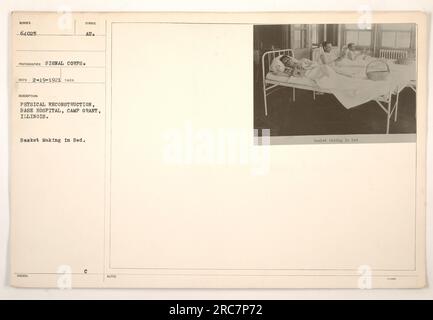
x: 7, y: 292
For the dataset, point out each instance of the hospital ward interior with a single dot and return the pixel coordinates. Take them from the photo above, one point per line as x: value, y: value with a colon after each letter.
x: 335, y: 79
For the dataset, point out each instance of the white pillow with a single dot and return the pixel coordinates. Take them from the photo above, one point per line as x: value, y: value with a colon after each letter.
x: 277, y: 67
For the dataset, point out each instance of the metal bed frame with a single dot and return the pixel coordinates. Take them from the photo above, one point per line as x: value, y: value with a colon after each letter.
x: 384, y: 101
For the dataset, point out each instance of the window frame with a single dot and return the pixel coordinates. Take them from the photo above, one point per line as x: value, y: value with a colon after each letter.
x: 304, y: 29
x: 382, y: 30
x: 346, y: 29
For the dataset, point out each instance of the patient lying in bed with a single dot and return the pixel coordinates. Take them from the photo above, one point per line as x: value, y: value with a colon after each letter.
x: 291, y: 67
x: 286, y: 65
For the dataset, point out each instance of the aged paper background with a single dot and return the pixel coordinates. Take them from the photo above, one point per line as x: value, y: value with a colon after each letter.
x: 239, y: 114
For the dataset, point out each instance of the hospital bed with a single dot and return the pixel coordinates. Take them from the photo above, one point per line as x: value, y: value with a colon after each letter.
x: 271, y: 82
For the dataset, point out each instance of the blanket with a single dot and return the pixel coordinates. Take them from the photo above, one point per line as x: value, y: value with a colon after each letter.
x: 352, y: 88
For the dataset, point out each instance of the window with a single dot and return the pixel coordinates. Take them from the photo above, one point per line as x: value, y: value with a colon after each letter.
x: 396, y: 36
x: 314, y: 34
x: 364, y: 38
x: 299, y: 36
x: 360, y: 37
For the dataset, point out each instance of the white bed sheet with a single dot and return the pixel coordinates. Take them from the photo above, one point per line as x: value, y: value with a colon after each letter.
x: 291, y: 80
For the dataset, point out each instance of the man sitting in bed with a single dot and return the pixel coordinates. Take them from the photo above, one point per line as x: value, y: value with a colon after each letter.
x: 352, y: 54
x: 327, y: 56
x: 353, y: 62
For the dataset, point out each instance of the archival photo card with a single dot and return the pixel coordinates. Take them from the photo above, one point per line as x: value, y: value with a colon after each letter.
x: 133, y: 162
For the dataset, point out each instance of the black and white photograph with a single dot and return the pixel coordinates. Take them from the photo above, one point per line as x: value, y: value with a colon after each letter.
x: 335, y: 79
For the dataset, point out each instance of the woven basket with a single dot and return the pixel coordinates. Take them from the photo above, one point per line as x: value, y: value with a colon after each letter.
x: 377, y: 70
